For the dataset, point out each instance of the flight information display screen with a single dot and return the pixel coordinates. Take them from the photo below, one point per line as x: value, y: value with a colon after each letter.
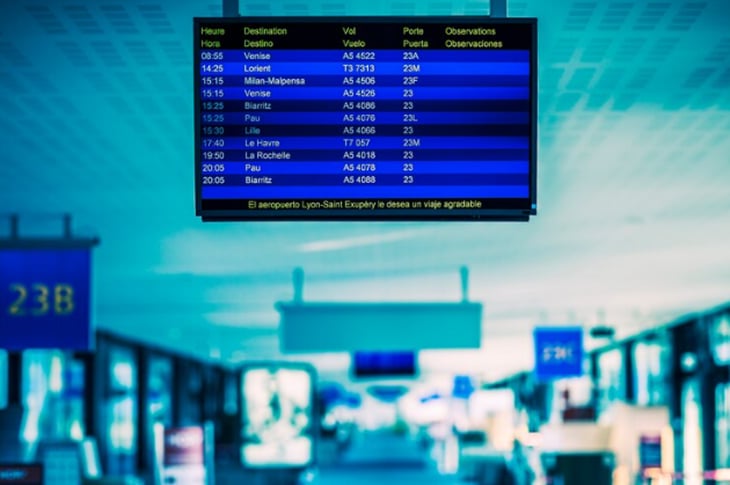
x: 376, y: 118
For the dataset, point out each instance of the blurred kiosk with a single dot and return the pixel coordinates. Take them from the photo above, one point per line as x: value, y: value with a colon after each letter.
x: 186, y: 455
x: 642, y: 441
x: 577, y: 454
x: 633, y: 445
x: 279, y: 428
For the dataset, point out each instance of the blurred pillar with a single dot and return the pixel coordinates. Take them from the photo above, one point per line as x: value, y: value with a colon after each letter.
x: 15, y: 373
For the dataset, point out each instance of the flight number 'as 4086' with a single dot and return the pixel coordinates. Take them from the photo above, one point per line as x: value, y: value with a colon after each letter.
x: 360, y: 105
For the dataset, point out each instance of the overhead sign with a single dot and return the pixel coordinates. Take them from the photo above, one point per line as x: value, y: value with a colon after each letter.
x: 45, y: 299
x: 365, y: 118
x: 184, y: 456
x: 463, y: 387
x: 650, y: 452
x: 352, y: 327
x: 558, y: 352
x: 384, y: 364
x: 26, y: 474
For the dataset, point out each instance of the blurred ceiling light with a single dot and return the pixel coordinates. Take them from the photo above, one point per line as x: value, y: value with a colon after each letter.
x: 358, y: 241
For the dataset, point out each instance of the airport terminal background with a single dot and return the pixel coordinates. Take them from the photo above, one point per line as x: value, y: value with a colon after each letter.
x: 590, y: 344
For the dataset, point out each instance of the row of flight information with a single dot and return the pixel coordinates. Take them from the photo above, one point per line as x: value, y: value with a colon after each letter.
x: 365, y: 118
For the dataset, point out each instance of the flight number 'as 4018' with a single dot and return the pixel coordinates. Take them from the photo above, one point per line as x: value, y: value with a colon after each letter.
x: 359, y: 155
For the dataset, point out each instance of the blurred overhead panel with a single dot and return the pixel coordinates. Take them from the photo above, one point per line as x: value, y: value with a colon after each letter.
x: 558, y: 352
x: 45, y: 290
x: 351, y: 327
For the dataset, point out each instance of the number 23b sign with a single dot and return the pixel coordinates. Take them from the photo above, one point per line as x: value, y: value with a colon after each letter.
x: 45, y: 299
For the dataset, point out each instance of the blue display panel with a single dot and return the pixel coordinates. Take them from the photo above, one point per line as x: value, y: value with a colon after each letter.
x: 558, y: 352
x: 384, y: 364
x: 45, y: 299
x: 365, y: 118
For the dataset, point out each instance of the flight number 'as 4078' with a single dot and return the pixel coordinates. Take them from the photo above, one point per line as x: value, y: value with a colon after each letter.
x: 359, y: 167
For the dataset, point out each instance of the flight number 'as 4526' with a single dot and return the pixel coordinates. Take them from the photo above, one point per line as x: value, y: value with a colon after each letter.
x: 360, y: 93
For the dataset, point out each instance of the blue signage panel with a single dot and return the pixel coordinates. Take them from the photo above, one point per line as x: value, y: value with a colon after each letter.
x: 384, y: 364
x: 558, y: 352
x: 463, y: 387
x: 45, y: 299
x: 21, y: 473
x: 650, y: 452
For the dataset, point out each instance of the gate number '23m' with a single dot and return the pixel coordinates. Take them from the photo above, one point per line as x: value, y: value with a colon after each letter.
x: 38, y: 300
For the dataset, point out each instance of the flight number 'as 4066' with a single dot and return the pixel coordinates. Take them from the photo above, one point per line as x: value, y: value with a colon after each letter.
x: 358, y: 130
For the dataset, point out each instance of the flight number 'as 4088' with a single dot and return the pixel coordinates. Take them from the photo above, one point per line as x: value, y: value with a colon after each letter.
x: 359, y: 179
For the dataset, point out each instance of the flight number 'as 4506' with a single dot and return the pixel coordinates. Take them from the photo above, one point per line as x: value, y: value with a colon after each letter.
x: 359, y: 80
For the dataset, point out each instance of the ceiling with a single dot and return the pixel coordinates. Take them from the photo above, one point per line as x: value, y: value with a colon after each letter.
x: 633, y: 224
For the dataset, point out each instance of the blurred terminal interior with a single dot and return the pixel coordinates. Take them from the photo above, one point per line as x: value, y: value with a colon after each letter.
x: 590, y: 345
